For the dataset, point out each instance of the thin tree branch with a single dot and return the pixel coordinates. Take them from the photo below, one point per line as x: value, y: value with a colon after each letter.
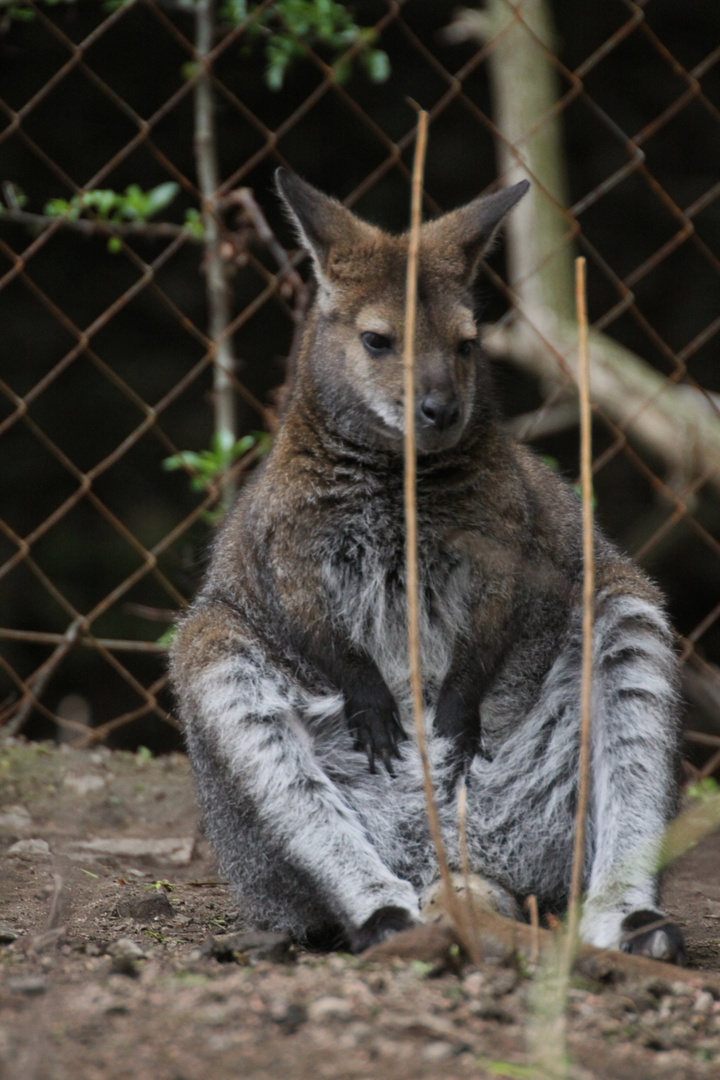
x: 154, y: 230
x: 217, y: 287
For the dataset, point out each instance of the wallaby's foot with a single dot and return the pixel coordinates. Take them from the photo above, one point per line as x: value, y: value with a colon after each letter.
x: 381, y: 925
x: 649, y: 933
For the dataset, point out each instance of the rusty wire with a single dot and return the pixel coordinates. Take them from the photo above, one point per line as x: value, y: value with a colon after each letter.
x: 253, y: 249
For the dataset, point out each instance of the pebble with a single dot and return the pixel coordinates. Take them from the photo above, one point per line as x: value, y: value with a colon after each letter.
x: 7, y: 934
x: 83, y: 784
x: 326, y: 1008
x: 126, y: 949
x: 30, y: 984
x: 437, y: 1051
x: 703, y: 1002
x: 146, y: 908
x: 14, y: 818
x: 29, y: 849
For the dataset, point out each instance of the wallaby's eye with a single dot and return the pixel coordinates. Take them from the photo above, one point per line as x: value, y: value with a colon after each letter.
x: 466, y: 347
x: 376, y: 344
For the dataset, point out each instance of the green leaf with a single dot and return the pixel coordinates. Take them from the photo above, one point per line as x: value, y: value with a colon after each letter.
x: 194, y: 222
x: 114, y: 245
x: 166, y: 639
x: 377, y: 65
x: 235, y: 11
x: 161, y: 196
x: 62, y: 208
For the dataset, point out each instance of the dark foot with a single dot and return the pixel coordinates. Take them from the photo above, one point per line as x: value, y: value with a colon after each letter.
x: 649, y: 933
x: 382, y: 924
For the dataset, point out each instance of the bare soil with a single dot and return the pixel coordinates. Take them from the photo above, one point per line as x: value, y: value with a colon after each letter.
x: 108, y: 895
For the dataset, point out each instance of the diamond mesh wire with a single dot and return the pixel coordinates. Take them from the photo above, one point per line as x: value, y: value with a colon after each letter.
x: 111, y: 364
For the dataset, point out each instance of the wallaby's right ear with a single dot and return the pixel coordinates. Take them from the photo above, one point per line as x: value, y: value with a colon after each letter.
x: 322, y: 222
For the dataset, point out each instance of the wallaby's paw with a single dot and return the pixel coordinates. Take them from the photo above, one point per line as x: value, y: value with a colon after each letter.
x: 457, y: 718
x: 373, y: 720
x: 381, y: 925
x: 649, y: 933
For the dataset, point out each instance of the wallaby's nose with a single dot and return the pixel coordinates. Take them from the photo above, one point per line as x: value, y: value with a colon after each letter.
x: 439, y: 410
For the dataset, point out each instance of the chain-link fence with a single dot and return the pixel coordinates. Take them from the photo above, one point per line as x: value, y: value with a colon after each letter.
x: 151, y: 297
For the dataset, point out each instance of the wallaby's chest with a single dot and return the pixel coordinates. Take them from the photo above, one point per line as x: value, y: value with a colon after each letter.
x: 364, y: 573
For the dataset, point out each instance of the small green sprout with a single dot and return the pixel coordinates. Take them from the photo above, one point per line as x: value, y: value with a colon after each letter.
x: 161, y: 885
x: 702, y: 790
x: 208, y: 465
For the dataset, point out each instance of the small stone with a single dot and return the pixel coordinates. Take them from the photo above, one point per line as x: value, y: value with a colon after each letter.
x: 126, y: 948
x: 15, y: 818
x: 29, y: 849
x: 124, y: 965
x: 437, y: 1051
x: 146, y: 908
x: 250, y: 948
x: 83, y: 784
x: 328, y: 1008
x: 7, y: 934
x: 30, y: 984
x: 288, y: 1017
x: 474, y: 982
x: 703, y: 1002
x: 504, y: 982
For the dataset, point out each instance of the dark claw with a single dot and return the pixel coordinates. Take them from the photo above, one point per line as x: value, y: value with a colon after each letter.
x: 387, y: 762
x: 370, y: 751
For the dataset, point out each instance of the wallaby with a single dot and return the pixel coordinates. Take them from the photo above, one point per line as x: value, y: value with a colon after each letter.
x: 291, y: 667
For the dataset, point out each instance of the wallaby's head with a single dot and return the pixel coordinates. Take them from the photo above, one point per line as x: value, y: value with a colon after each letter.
x: 354, y: 342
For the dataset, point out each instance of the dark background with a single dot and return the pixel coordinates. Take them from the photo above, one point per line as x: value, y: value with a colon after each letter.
x: 79, y: 129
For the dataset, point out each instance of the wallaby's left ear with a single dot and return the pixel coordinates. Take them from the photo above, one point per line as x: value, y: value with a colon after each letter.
x: 323, y: 224
x: 472, y: 228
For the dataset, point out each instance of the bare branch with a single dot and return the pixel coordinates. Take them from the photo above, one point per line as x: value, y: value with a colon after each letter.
x: 217, y: 287
x: 154, y: 230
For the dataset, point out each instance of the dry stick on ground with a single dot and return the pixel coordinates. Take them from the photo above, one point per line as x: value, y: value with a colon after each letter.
x: 451, y: 898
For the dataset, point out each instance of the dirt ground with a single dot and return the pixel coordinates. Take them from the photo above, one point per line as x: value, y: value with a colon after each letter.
x: 113, y: 963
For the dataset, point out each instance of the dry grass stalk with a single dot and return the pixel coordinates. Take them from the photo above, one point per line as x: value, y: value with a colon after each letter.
x: 588, y: 612
x: 547, y: 1029
x: 472, y: 923
x: 451, y: 899
x: 531, y: 906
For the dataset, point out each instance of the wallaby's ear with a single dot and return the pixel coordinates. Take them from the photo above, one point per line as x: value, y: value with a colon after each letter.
x: 471, y: 229
x: 322, y: 222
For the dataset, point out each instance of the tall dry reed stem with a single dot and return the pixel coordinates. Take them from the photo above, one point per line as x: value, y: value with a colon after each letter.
x: 451, y: 899
x: 588, y: 613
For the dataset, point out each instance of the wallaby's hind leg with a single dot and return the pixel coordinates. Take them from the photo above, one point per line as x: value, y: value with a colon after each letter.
x: 267, y: 799
x: 634, y: 756
x: 270, y: 893
x: 521, y: 805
